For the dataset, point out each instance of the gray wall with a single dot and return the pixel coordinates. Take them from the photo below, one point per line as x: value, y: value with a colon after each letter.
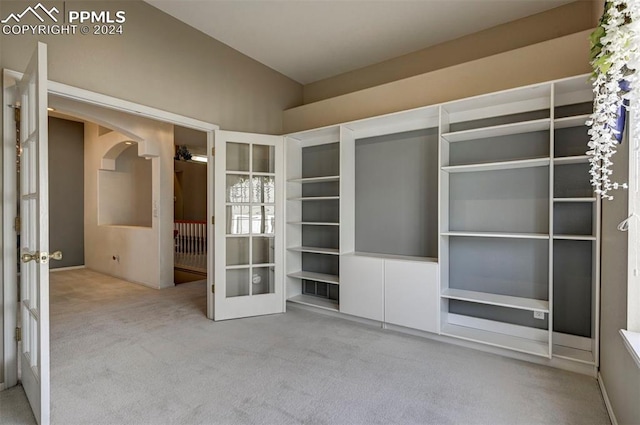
x: 620, y: 374
x: 66, y: 191
x: 397, y: 194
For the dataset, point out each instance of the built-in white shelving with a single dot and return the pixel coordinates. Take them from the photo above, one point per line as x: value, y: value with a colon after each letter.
x: 575, y: 237
x: 580, y: 159
x: 315, y: 250
x: 324, y: 179
x: 318, y: 277
x: 316, y: 198
x: 498, y: 130
x: 574, y: 199
x: 496, y: 339
x: 572, y: 121
x: 498, y: 235
x: 314, y: 223
x: 496, y: 299
x: 493, y: 166
x: 317, y: 302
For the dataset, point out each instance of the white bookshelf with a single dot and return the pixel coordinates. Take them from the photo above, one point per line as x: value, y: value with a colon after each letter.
x: 497, y: 130
x: 315, y: 250
x: 494, y: 166
x: 504, y: 235
x: 319, y: 277
x: 520, y: 303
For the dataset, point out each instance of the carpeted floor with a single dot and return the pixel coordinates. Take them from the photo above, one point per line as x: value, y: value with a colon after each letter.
x: 125, y: 354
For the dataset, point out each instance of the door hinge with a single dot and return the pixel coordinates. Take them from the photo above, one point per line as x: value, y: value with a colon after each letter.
x: 213, y: 288
x: 213, y: 151
x: 16, y: 224
x: 18, y: 334
x: 213, y: 219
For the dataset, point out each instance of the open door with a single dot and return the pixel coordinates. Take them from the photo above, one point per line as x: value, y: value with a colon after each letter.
x: 34, y: 235
x: 249, y: 225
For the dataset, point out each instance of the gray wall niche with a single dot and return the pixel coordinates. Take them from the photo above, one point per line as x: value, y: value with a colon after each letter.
x: 66, y: 191
x: 396, y: 198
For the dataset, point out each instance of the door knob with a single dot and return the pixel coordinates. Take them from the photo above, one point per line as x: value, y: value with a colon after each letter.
x: 30, y: 256
x: 41, y: 257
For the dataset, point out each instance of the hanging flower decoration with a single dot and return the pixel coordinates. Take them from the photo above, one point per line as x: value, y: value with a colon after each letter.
x: 614, y: 56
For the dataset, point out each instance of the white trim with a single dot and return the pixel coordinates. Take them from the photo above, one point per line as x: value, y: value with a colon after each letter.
x: 632, y: 342
x: 66, y: 269
x: 607, y: 402
x: 9, y: 241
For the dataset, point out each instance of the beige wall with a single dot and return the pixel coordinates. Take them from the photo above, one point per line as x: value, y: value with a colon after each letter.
x: 562, y: 57
x: 190, y: 191
x: 619, y: 372
x: 568, y: 19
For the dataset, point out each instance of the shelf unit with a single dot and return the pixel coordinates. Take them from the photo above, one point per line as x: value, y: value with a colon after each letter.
x: 519, y: 223
x: 313, y: 218
x: 514, y: 260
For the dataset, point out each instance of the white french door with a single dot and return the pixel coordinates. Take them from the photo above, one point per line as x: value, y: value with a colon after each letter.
x: 249, y: 225
x: 34, y: 235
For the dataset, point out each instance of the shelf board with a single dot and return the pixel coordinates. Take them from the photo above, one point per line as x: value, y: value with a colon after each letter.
x: 574, y: 354
x: 319, y: 277
x: 324, y: 179
x: 330, y: 251
x: 498, y: 235
x: 498, y: 300
x: 315, y: 198
x: 503, y: 165
x: 495, y: 339
x: 575, y: 237
x: 574, y: 199
x: 314, y: 223
x: 566, y: 160
x: 315, y: 302
x: 498, y: 130
x: 574, y: 121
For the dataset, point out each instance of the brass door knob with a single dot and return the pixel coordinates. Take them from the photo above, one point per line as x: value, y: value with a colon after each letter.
x: 57, y: 255
x: 30, y: 256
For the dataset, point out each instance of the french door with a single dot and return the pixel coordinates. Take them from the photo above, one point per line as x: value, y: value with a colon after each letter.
x: 34, y: 235
x: 249, y: 225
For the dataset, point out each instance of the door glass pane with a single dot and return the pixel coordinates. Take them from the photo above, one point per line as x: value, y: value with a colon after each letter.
x: 263, y: 159
x: 263, y: 280
x: 238, y: 188
x: 264, y: 190
x: 263, y: 220
x: 237, y: 251
x: 263, y: 250
x: 237, y: 283
x: 237, y: 156
x: 238, y: 220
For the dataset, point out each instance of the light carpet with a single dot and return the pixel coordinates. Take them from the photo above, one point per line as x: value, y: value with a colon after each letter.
x: 125, y: 354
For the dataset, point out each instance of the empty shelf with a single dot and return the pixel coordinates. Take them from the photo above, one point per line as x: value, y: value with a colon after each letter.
x: 574, y: 199
x: 331, y: 251
x: 566, y: 160
x: 315, y: 302
x: 574, y: 354
x: 498, y: 130
x: 495, y: 299
x: 575, y: 121
x: 315, y: 198
x: 503, y: 165
x: 318, y: 277
x: 496, y: 339
x: 314, y: 223
x: 498, y: 235
x: 323, y: 179
x: 575, y: 237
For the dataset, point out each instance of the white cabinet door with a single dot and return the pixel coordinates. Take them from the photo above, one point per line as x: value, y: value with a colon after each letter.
x: 411, y: 294
x: 362, y: 286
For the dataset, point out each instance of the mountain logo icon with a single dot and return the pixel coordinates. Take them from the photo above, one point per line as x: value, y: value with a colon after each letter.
x: 38, y: 11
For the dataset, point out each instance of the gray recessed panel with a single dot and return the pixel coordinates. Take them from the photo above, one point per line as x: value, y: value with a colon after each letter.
x: 503, y: 148
x: 321, y: 160
x: 498, y: 314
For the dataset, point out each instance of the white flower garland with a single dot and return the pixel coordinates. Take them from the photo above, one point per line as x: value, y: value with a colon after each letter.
x: 617, y: 61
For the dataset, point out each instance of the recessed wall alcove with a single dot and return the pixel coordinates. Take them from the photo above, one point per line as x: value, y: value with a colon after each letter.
x: 125, y: 187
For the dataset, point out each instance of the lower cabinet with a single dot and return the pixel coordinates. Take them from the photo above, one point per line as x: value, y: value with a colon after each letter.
x: 411, y: 294
x: 362, y: 286
x: 398, y: 292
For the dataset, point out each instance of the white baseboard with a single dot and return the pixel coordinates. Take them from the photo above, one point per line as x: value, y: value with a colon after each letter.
x: 607, y: 402
x: 66, y: 269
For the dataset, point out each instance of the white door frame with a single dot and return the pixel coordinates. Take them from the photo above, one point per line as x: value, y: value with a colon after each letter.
x: 9, y: 269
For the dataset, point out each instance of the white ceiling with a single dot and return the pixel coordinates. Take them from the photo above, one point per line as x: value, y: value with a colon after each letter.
x: 309, y: 40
